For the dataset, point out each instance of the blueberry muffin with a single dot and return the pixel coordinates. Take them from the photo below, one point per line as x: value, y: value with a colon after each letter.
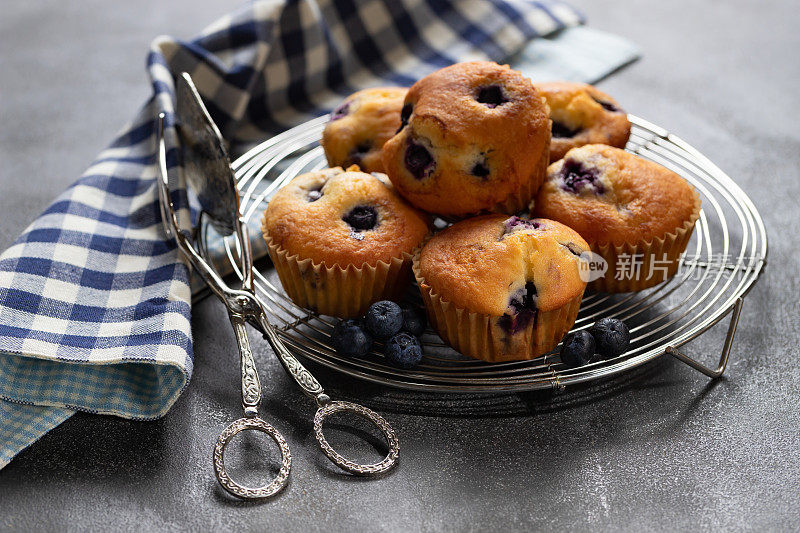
x: 474, y: 137
x: 635, y: 213
x: 502, y: 289
x: 341, y: 240
x: 360, y: 126
x: 581, y: 115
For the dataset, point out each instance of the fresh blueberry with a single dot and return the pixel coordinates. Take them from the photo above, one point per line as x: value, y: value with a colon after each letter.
x: 521, y: 310
x: 611, y: 336
x: 361, y: 218
x: 578, y: 349
x: 515, y: 223
x: 419, y: 160
x: 414, y: 322
x: 405, y: 114
x: 384, y: 319
x: 491, y: 96
x: 576, y: 176
x: 341, y: 111
x: 403, y: 350
x: 562, y: 131
x: 349, y: 339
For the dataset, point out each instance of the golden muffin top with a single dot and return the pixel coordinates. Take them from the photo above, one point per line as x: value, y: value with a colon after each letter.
x: 360, y: 126
x: 494, y: 264
x: 611, y: 196
x: 337, y: 217
x: 582, y: 114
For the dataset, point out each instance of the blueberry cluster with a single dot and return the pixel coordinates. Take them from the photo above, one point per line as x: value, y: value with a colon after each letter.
x: 362, y: 218
x: 607, y: 338
x: 418, y: 160
x: 522, y: 310
x: 398, y: 327
x: 341, y: 111
x: 357, y: 154
x: 576, y: 176
x: 515, y: 223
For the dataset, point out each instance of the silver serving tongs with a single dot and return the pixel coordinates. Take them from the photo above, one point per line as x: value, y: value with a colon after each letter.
x: 208, y: 172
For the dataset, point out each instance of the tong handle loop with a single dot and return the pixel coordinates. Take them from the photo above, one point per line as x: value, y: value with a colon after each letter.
x: 251, y: 384
x: 338, y: 459
x: 241, y: 491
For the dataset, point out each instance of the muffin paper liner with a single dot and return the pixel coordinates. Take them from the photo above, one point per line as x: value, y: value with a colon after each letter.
x: 644, y: 263
x: 478, y: 336
x: 343, y: 292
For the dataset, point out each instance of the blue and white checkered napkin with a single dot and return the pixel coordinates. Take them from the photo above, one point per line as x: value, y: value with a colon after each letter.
x: 95, y: 304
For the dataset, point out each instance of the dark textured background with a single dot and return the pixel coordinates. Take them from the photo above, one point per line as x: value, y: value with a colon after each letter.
x: 659, y: 449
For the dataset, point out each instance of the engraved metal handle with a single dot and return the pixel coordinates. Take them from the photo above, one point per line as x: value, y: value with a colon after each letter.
x: 251, y: 398
x: 311, y: 387
x: 251, y: 384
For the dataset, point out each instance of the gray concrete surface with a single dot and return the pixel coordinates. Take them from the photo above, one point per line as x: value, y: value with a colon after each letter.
x: 660, y: 449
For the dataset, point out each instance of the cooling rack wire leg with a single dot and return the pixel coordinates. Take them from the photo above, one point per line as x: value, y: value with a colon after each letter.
x: 726, y: 349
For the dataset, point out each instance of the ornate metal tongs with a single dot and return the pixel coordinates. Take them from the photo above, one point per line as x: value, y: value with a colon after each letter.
x: 209, y: 175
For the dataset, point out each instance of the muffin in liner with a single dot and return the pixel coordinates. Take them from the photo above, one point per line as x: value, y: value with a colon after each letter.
x: 341, y: 240
x: 339, y: 291
x: 481, y: 336
x: 360, y: 126
x: 634, y: 213
x: 581, y: 115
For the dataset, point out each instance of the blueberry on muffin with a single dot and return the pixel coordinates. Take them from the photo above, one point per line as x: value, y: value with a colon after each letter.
x: 360, y: 126
x: 581, y: 115
x: 502, y: 289
x: 635, y: 213
x: 473, y: 137
x: 341, y: 240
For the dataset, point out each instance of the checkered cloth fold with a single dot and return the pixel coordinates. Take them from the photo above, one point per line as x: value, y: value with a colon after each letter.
x: 94, y: 303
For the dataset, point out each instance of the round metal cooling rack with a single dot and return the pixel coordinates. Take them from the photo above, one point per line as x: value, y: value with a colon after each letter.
x: 724, y: 259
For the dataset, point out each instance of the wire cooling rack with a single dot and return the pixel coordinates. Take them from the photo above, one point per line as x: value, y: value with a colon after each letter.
x: 723, y: 261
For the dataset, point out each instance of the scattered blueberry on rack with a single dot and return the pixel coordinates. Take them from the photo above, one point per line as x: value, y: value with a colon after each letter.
x: 384, y: 319
x: 607, y: 338
x: 350, y: 339
x: 398, y: 327
x: 578, y: 349
x: 611, y: 337
x: 414, y: 322
x: 403, y: 351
